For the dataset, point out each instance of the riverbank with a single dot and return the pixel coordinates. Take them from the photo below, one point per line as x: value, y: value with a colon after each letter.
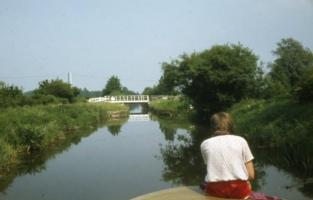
x: 24, y: 130
x: 280, y: 123
x: 173, y: 108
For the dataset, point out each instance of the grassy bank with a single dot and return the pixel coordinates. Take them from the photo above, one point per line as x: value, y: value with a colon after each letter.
x: 27, y: 129
x: 176, y: 107
x: 282, y: 124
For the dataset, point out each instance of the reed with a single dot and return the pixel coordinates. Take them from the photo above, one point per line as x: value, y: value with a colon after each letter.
x: 279, y: 123
x: 34, y: 128
x: 176, y: 107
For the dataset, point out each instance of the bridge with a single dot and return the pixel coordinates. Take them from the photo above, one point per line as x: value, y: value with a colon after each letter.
x: 139, y: 117
x: 121, y: 99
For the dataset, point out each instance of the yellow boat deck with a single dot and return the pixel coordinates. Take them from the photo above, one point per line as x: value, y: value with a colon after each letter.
x: 178, y: 193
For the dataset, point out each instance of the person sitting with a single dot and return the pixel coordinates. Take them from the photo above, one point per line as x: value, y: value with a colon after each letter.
x: 228, y: 159
x: 229, y: 162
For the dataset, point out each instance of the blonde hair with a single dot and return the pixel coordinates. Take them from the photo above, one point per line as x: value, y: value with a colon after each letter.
x: 222, y: 122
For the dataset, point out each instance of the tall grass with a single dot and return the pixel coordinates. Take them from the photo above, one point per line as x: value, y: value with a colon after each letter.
x: 279, y: 123
x: 28, y: 129
x: 171, y: 107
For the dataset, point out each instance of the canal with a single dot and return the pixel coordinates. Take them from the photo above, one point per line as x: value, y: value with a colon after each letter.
x: 127, y: 158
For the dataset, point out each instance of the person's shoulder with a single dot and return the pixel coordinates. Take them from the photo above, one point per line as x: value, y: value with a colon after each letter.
x: 205, y: 142
x: 238, y: 138
x: 212, y: 140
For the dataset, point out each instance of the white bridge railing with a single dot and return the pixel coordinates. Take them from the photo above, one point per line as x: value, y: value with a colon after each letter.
x: 139, y: 117
x: 121, y: 99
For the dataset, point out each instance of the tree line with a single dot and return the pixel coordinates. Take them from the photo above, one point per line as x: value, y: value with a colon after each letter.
x: 56, y: 91
x: 211, y: 80
x: 216, y: 78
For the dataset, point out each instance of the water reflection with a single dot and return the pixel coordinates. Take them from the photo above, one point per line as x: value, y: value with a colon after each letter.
x: 181, y: 155
x: 124, y: 155
x: 184, y: 165
x: 169, y: 127
x: 35, y: 162
x: 138, y: 112
x: 139, y: 118
x: 115, y: 126
x: 306, y: 189
x: 115, y: 129
x: 301, y: 179
x: 138, y: 108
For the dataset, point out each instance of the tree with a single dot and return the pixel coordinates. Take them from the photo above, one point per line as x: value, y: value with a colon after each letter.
x: 126, y: 91
x: 115, y: 129
x: 304, y: 91
x: 148, y: 91
x: 291, y: 63
x: 57, y: 88
x: 89, y: 94
x: 155, y: 90
x: 168, y: 83
x: 113, y: 86
x: 10, y: 95
x: 216, y: 78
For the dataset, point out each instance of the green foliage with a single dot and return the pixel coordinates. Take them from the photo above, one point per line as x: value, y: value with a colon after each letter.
x: 278, y: 123
x: 89, y: 94
x: 10, y: 96
x: 291, y: 63
x: 27, y: 129
x: 168, y: 83
x: 215, y: 78
x: 49, y: 92
x: 183, y: 163
x: 126, y: 91
x: 148, y: 91
x: 274, y: 88
x: 114, y: 129
x: 7, y: 153
x: 178, y: 107
x: 38, y: 99
x: 57, y: 88
x: 30, y: 136
x: 112, y: 86
x: 304, y: 91
x: 155, y: 90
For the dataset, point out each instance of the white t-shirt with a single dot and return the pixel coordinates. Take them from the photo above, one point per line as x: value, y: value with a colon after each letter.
x: 225, y: 157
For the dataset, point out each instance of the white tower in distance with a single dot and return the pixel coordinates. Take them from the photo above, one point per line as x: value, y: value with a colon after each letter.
x: 69, y: 78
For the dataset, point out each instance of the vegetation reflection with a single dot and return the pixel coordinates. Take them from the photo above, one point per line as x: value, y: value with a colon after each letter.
x: 115, y: 126
x: 183, y: 164
x: 35, y: 162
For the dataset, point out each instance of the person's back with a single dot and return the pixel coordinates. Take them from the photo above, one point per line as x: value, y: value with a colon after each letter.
x: 228, y: 159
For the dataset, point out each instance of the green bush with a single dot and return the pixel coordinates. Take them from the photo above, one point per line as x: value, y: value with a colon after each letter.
x: 30, y: 128
x: 30, y: 136
x: 171, y: 107
x: 304, y: 91
x: 58, y: 88
x: 10, y: 96
x: 7, y: 154
x: 279, y: 123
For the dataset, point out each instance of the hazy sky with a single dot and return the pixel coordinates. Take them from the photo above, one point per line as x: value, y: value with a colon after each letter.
x: 95, y: 39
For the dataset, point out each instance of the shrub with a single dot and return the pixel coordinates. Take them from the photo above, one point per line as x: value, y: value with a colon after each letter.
x: 7, y: 154
x: 31, y: 136
x: 304, y: 91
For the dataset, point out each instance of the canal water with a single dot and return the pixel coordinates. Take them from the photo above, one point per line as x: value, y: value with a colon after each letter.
x: 128, y: 158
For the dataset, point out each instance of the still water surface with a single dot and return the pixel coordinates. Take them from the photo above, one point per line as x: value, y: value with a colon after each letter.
x: 130, y: 158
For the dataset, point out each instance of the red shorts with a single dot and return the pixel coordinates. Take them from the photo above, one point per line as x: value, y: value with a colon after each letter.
x: 237, y: 189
